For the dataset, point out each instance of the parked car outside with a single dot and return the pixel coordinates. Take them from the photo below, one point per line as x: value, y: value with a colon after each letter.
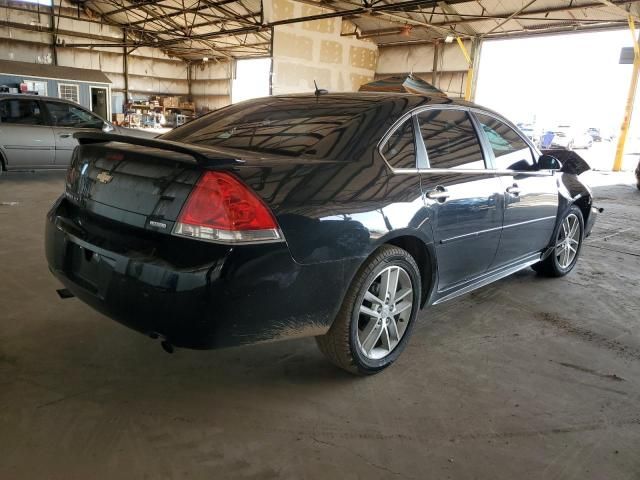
x: 37, y: 132
x: 595, y: 134
x: 530, y: 131
x: 565, y: 136
x: 335, y: 216
x: 582, y: 139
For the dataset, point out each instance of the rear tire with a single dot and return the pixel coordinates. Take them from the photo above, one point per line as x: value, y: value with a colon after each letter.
x: 566, y: 247
x: 377, y: 315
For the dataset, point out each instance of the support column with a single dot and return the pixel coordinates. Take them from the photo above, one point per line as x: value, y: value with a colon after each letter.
x: 125, y: 66
x: 476, y: 48
x: 435, y: 71
x: 628, y: 111
x: 54, y: 35
x: 189, y: 81
x: 473, y: 61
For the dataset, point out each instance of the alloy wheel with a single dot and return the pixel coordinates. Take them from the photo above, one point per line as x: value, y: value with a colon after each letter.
x: 568, y: 241
x: 385, y: 312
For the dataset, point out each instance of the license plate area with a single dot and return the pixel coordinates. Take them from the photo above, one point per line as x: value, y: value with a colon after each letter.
x: 88, y: 268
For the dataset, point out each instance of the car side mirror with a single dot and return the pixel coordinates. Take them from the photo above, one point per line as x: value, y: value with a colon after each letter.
x: 107, y: 127
x: 549, y: 162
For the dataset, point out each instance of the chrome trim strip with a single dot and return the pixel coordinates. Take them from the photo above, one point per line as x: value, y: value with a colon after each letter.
x: 489, y: 230
x: 467, y: 235
x: 440, y: 171
x: 529, y: 221
x: 450, y: 171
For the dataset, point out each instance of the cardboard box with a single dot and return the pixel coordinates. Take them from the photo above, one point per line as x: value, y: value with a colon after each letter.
x: 169, y: 102
x: 117, y: 118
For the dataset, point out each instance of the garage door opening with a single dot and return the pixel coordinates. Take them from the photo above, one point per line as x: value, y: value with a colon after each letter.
x: 571, y: 83
x: 252, y: 79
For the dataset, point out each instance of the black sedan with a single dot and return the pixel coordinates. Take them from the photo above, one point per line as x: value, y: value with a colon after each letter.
x: 334, y: 216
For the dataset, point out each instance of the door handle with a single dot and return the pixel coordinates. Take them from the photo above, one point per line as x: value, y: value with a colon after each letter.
x: 439, y: 193
x: 514, y: 189
x: 65, y: 135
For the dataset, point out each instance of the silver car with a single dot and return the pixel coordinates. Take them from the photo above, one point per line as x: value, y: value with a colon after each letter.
x: 37, y: 132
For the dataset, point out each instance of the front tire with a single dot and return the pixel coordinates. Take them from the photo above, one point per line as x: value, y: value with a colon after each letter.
x: 377, y: 315
x: 566, y: 248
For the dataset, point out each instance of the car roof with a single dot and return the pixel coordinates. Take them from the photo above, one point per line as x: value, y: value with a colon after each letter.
x: 374, y: 97
x: 405, y: 101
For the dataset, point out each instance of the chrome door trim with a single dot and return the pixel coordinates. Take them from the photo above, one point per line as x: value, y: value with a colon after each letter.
x: 421, y: 151
x: 530, y: 221
x: 489, y: 230
x: 471, y: 234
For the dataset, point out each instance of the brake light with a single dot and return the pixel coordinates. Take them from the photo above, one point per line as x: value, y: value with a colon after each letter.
x: 222, y: 209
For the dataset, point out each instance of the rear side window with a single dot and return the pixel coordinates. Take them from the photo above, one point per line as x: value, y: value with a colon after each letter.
x: 65, y: 115
x: 21, y: 112
x: 450, y: 139
x: 400, y: 149
x: 510, y: 151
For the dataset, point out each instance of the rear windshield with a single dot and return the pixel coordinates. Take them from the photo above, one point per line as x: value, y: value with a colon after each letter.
x: 276, y: 126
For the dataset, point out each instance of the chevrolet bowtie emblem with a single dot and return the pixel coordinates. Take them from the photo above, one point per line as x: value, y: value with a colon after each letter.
x: 104, y: 177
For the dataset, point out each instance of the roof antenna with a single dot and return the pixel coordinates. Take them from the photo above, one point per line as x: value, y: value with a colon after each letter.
x: 319, y: 91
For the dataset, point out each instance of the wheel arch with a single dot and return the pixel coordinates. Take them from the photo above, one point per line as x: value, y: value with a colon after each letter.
x: 424, y: 257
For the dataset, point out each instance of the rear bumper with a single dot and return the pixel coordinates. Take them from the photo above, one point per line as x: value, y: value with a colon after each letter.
x: 217, y: 297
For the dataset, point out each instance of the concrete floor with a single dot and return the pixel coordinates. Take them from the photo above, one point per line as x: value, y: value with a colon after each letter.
x: 528, y: 378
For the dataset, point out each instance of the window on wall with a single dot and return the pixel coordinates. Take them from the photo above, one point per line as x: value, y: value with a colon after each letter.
x: 36, y: 86
x: 69, y: 92
x: 450, y: 139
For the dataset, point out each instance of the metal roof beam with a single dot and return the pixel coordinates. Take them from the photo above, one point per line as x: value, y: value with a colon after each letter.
x: 397, y: 7
x: 196, y: 10
x: 609, y: 3
x: 526, y: 15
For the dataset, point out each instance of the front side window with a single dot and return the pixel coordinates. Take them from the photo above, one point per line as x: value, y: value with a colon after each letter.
x: 65, y: 115
x: 21, y: 112
x: 450, y: 139
x: 399, y: 149
x: 510, y: 151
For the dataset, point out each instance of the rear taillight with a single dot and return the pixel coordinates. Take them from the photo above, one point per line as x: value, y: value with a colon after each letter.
x: 222, y: 209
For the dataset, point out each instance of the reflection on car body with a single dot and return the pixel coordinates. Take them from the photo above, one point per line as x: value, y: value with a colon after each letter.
x: 336, y: 216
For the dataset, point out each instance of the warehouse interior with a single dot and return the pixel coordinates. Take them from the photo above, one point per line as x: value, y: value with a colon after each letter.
x: 522, y: 378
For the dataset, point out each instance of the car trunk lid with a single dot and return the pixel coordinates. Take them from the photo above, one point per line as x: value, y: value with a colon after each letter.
x: 137, y: 185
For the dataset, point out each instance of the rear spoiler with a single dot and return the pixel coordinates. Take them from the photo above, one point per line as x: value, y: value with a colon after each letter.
x: 201, y: 155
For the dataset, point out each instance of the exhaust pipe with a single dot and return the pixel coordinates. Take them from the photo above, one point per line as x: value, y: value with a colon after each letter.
x: 64, y: 293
